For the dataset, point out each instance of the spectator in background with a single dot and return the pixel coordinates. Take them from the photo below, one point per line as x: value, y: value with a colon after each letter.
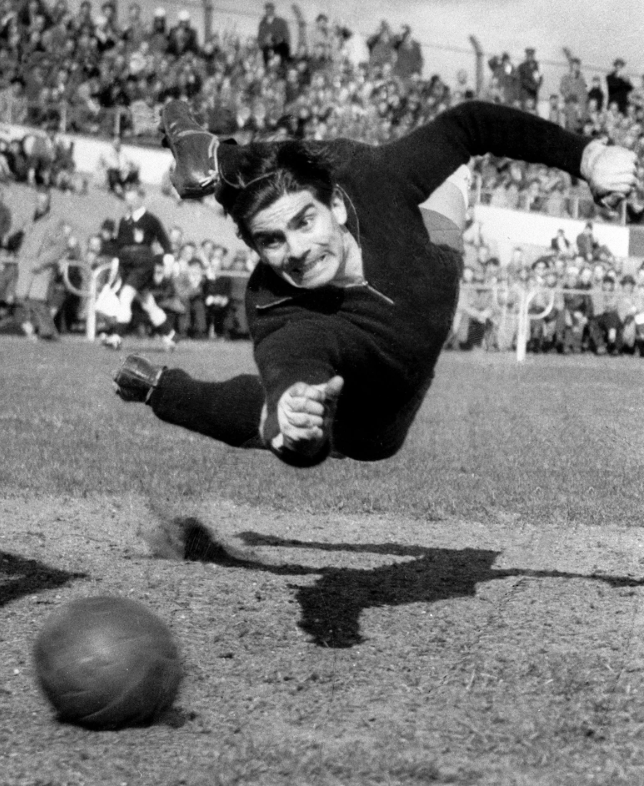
x: 574, y: 91
x: 217, y: 291
x: 135, y: 32
x: 556, y: 113
x: 576, y: 312
x: 530, y: 79
x: 409, y: 58
x: 627, y: 310
x: 381, y: 46
x: 587, y: 246
x: 13, y: 102
x: 273, y: 35
x: 561, y: 245
x: 605, y: 325
x: 321, y: 42
x: 189, y: 286
x: 158, y: 40
x: 43, y: 247
x: 619, y: 86
x: 506, y: 78
x: 119, y: 169
x: 596, y: 93
x: 108, y: 246
x: 182, y: 38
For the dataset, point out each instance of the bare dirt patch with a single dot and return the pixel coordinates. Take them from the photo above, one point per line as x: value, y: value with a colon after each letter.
x: 338, y: 649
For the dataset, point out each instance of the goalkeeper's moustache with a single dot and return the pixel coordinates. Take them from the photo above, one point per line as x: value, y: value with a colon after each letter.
x: 136, y: 379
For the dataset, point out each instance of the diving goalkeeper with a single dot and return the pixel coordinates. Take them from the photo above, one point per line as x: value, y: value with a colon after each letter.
x: 354, y: 294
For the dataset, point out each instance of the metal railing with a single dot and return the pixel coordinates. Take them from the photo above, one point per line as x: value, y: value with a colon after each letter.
x: 523, y: 308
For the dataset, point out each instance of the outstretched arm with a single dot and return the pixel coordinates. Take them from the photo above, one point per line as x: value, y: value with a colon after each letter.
x: 427, y: 156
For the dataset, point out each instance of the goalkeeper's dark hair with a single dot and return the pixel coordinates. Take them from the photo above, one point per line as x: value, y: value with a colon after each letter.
x: 268, y: 172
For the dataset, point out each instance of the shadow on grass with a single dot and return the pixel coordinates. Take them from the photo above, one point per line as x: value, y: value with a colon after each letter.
x: 332, y: 606
x: 20, y: 576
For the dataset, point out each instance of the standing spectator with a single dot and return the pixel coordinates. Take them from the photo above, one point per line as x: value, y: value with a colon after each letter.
x: 506, y: 78
x: 619, y: 86
x: 159, y: 35
x: 273, y: 35
x: 596, y: 93
x: 43, y: 247
x: 574, y: 91
x: 409, y: 58
x: 83, y: 20
x: 530, y: 79
x: 381, y: 46
x: 182, y: 38
x: 134, y: 32
x: 586, y: 243
x: 321, y: 42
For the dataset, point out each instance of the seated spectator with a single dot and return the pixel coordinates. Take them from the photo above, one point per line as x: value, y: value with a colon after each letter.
x: 119, y: 169
x: 605, y: 326
x: 561, y: 245
x: 545, y: 308
x: 109, y: 247
x: 40, y: 151
x: 189, y: 286
x: 144, y: 113
x: 627, y: 310
x: 472, y: 319
x: 13, y: 102
x: 217, y: 291
x: 596, y: 94
x: 576, y: 312
x: 587, y: 245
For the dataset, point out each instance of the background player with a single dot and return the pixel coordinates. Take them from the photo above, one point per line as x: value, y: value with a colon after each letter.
x: 351, y: 302
x: 138, y: 232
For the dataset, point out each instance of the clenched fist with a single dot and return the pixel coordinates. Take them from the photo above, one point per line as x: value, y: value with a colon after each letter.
x: 611, y: 171
x: 305, y: 416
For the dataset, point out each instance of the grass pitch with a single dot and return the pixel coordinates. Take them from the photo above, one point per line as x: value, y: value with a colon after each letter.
x: 468, y: 612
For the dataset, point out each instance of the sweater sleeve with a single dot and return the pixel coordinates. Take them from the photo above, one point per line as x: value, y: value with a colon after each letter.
x: 429, y: 155
x: 303, y: 350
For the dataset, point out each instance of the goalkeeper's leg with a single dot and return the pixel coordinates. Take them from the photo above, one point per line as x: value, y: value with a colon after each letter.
x: 445, y: 211
x: 227, y: 411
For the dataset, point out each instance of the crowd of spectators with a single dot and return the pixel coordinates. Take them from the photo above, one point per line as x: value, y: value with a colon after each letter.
x: 580, y: 300
x: 89, y: 72
x: 92, y: 72
x: 201, y: 286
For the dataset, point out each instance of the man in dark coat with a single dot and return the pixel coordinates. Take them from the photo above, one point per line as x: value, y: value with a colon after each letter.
x: 273, y: 36
x: 530, y: 79
x: 619, y: 86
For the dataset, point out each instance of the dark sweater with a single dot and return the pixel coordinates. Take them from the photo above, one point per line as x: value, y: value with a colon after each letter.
x: 143, y: 232
x: 385, y: 338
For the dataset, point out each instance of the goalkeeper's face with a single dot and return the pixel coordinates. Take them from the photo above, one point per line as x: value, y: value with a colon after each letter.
x: 301, y: 238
